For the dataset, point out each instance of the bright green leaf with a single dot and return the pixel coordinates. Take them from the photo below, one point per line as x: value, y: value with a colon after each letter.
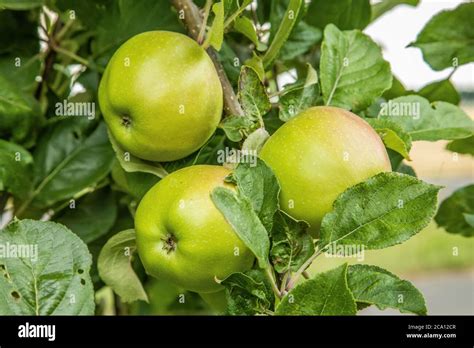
x: 385, y: 210
x: 454, y: 209
x: 115, y: 267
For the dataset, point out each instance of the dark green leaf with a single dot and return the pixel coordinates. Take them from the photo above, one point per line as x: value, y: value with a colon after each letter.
x: 453, y: 213
x: 302, y: 39
x: 375, y: 286
x: 20, y: 4
x: 384, y: 210
x: 345, y: 14
x: 91, y: 217
x: 68, y: 160
x: 326, y: 294
x: 16, y: 166
x: 49, y: 276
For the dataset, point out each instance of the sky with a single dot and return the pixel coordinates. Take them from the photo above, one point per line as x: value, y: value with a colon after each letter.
x: 398, y: 28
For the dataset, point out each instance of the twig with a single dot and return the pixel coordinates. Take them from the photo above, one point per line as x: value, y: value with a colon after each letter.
x: 300, y: 271
x: 202, y: 31
x: 191, y: 17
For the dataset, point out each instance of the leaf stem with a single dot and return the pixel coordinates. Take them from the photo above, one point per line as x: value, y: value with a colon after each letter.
x: 303, y: 268
x: 271, y: 278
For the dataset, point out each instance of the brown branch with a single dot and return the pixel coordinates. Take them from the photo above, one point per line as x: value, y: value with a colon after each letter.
x: 191, y: 16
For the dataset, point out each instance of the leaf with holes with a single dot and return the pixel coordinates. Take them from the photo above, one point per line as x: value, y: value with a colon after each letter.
x: 325, y: 294
x: 44, y: 270
x: 115, y: 267
x: 385, y: 210
x: 353, y: 71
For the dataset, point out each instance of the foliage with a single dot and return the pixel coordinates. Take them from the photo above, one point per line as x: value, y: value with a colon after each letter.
x: 66, y: 168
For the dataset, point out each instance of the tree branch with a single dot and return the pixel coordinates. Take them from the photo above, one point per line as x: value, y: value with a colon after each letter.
x: 189, y: 13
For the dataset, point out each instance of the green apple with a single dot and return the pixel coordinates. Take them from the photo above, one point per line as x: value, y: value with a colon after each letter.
x: 217, y: 301
x: 161, y: 96
x: 317, y: 155
x: 182, y: 237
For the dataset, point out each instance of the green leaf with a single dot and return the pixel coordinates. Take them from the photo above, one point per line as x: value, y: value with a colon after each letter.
x: 405, y: 169
x: 16, y: 166
x: 239, y: 213
x: 91, y: 217
x: 292, y: 245
x: 248, y: 293
x: 120, y: 20
x: 257, y: 65
x: 68, y: 160
x: 326, y: 294
x: 244, y: 25
x: 345, y: 14
x: 385, y: 210
x: 236, y: 128
x: 257, y: 182
x: 455, y: 212
x: 215, y: 35
x: 373, y: 285
x: 298, y: 99
x: 255, y: 141
x: 396, y: 90
x: 20, y: 4
x: 462, y: 146
x: 48, y: 275
x: 383, y: 6
x: 447, y: 39
x: 393, y: 136
x: 115, y: 267
x: 137, y: 183
x: 425, y: 121
x: 131, y: 164
x: 302, y: 39
x: 353, y: 71
x: 288, y: 21
x: 19, y: 111
x: 252, y: 94
x: 441, y: 91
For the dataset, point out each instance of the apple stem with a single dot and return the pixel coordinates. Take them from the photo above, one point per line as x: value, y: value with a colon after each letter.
x: 191, y: 16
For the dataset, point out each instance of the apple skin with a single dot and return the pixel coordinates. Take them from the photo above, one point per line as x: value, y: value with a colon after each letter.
x: 307, y: 155
x: 179, y: 207
x: 161, y: 96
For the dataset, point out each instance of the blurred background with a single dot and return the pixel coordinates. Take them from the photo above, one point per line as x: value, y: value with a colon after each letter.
x: 440, y: 265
